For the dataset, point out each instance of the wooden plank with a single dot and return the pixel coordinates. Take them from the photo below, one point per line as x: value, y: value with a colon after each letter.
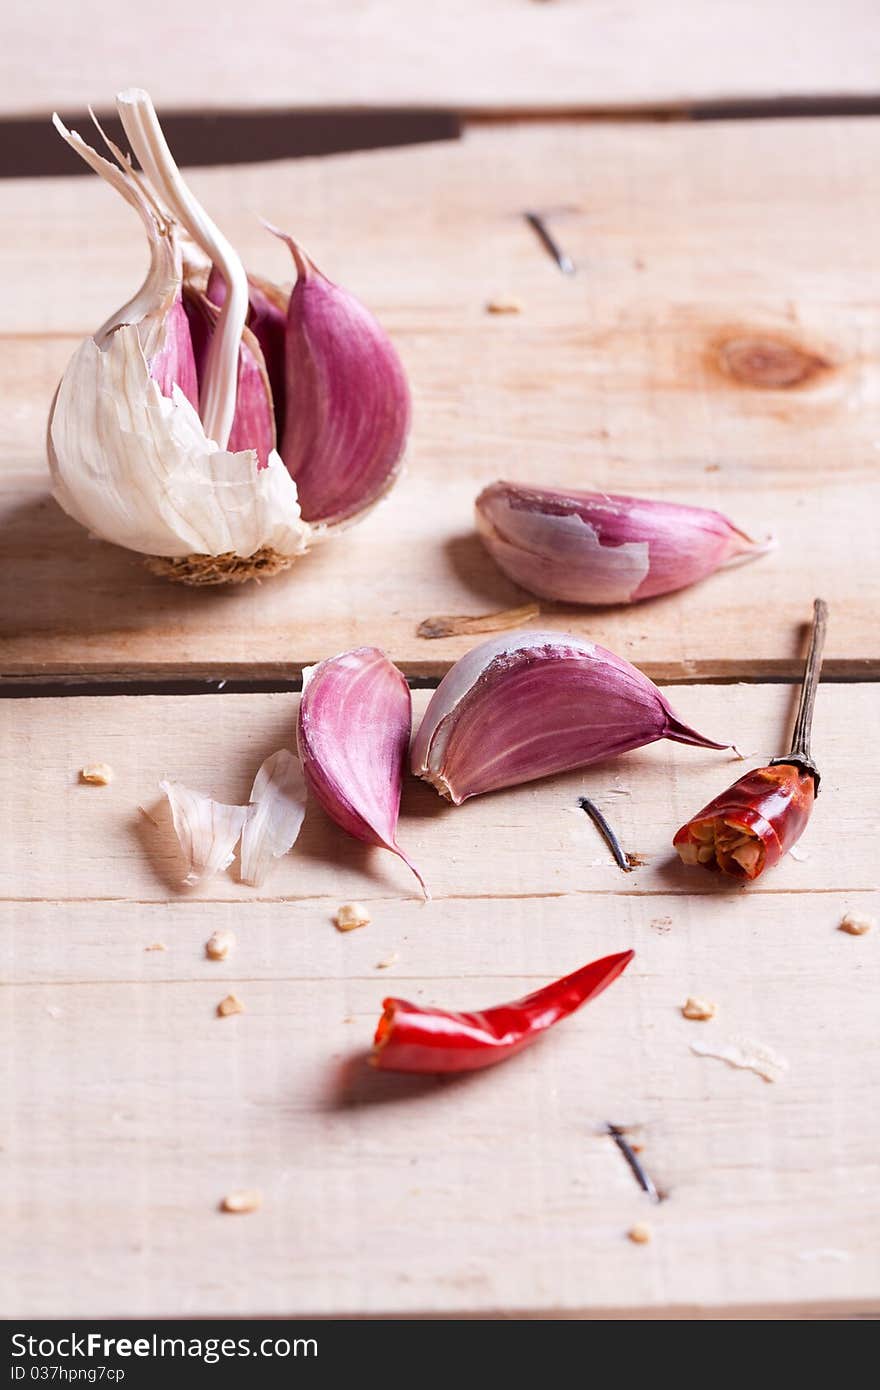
x: 132, y: 1109
x: 686, y: 238
x: 493, y: 55
x: 65, y: 840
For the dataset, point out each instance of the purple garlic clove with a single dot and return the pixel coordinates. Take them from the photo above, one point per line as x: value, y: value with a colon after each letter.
x: 594, y: 548
x: 347, y: 400
x: 174, y: 364
x: 529, y: 704
x: 253, y: 423
x: 267, y: 320
x: 355, y: 720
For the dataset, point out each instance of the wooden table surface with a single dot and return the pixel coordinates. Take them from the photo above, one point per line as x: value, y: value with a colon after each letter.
x: 131, y: 1109
x: 470, y: 55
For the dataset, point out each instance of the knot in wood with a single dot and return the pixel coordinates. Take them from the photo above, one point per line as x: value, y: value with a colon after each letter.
x: 770, y: 364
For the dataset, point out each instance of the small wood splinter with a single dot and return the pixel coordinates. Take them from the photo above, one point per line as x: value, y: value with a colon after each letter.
x: 549, y: 242
x: 625, y: 862
x: 635, y: 1164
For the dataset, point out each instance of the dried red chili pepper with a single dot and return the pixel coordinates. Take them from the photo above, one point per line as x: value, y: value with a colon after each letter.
x: 748, y: 828
x: 412, y: 1038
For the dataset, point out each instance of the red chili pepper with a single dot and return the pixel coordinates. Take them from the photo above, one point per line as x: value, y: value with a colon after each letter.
x: 748, y: 828
x: 411, y: 1038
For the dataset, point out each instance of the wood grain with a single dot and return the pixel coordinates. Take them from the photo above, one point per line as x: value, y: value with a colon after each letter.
x: 411, y: 53
x: 689, y: 241
x: 132, y: 1109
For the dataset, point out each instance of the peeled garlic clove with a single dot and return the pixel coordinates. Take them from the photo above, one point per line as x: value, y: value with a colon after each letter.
x: 347, y: 400
x: 594, y: 548
x: 528, y: 704
x: 207, y: 830
x: 274, y: 816
x: 355, y: 719
x: 253, y: 424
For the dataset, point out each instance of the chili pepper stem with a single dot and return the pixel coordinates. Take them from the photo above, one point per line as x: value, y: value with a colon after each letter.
x: 799, y: 753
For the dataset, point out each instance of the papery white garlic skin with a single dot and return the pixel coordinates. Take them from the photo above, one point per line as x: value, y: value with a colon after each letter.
x: 135, y: 468
x: 207, y: 830
x: 595, y: 548
x: 529, y: 704
x: 274, y: 817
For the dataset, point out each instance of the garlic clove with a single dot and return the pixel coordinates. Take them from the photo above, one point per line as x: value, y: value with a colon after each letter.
x: 347, y: 399
x: 267, y: 320
x: 529, y: 704
x: 207, y: 830
x: 274, y: 817
x: 175, y: 364
x: 253, y: 424
x: 595, y: 548
x: 355, y: 720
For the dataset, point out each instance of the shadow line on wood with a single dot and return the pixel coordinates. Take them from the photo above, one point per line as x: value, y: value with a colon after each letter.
x: 30, y: 147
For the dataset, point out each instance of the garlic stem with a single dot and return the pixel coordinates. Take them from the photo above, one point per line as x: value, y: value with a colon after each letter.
x: 218, y: 390
x: 163, y: 268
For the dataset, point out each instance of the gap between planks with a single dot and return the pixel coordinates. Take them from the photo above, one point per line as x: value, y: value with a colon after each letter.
x: 29, y: 147
x: 85, y: 686
x: 289, y: 899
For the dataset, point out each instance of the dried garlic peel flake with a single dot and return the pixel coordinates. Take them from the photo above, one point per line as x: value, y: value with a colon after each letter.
x: 207, y: 830
x: 274, y: 817
x: 747, y: 1055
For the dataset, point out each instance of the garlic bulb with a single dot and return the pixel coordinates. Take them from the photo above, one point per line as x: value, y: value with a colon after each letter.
x: 593, y: 548
x: 163, y: 433
x: 528, y: 704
